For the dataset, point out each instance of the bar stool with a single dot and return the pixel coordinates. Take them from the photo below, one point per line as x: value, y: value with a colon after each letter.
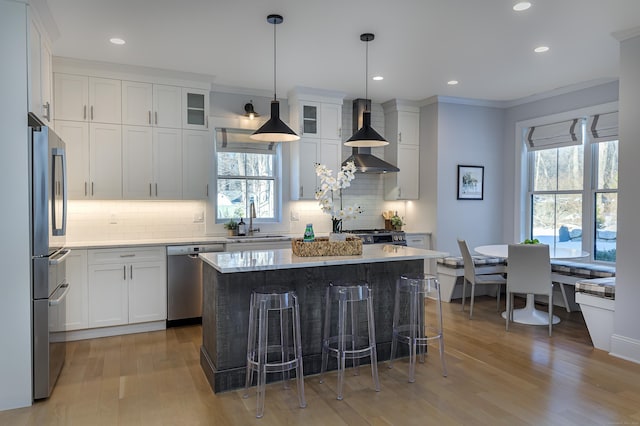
x: 422, y: 293
x: 269, y: 313
x: 352, y: 346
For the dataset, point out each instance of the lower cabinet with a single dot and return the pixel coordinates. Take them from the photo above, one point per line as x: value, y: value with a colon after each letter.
x: 77, y: 304
x: 126, y: 286
x: 422, y: 241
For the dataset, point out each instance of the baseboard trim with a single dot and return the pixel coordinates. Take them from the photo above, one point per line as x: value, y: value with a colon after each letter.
x: 93, y: 333
x: 625, y: 348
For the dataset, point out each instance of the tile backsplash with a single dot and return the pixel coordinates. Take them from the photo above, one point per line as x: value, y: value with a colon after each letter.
x: 130, y: 220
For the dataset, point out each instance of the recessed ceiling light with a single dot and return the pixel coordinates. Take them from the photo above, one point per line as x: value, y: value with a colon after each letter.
x: 522, y: 5
x: 116, y: 40
x: 452, y: 82
x: 541, y: 49
x: 378, y: 78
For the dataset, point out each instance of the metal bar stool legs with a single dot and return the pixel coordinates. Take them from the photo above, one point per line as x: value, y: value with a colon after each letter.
x: 352, y: 346
x: 260, y: 345
x: 422, y: 292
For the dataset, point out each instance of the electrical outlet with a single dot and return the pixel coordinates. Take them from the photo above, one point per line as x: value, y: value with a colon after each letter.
x: 295, y: 216
x: 198, y: 217
x: 113, y: 219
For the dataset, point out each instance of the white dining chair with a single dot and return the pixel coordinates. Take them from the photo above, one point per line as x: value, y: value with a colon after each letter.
x: 529, y: 272
x: 473, y: 278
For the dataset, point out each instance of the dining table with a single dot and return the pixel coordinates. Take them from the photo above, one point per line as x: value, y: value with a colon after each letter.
x: 529, y: 314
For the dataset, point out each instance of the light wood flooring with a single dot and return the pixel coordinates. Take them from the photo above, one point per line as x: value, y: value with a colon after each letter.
x: 495, y: 378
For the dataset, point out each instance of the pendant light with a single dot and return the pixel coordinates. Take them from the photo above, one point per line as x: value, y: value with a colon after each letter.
x: 366, y: 136
x: 274, y: 130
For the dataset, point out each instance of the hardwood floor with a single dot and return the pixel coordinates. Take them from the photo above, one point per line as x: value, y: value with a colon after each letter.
x: 495, y: 378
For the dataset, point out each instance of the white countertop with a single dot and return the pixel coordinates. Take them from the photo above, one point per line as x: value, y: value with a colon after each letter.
x: 264, y: 260
x: 173, y: 241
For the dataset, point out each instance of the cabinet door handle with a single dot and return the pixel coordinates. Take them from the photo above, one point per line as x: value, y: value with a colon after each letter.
x: 85, y: 188
x: 339, y: 132
x: 156, y: 114
x: 150, y: 190
x: 131, y: 271
x: 47, y: 107
x: 301, y: 191
x: 128, y: 255
x: 149, y: 116
x: 124, y: 271
x: 84, y: 112
x: 92, y: 189
x: 399, y: 192
x: 91, y: 112
x: 399, y: 136
x: 156, y: 189
x: 207, y: 190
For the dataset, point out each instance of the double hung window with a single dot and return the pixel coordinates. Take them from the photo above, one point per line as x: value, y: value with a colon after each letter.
x: 573, y: 185
x: 247, y: 171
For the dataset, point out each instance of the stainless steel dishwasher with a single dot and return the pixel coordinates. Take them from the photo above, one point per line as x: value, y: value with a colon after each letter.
x: 184, y: 282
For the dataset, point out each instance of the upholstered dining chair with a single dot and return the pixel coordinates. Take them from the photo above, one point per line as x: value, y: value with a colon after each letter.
x: 529, y: 272
x: 473, y: 278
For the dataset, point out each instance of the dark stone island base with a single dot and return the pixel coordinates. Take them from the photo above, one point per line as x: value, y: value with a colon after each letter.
x: 225, y: 313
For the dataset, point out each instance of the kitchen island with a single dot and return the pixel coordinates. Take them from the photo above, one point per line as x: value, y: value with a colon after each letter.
x: 229, y: 278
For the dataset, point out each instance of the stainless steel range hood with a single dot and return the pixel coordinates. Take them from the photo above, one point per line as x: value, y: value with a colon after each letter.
x: 363, y: 159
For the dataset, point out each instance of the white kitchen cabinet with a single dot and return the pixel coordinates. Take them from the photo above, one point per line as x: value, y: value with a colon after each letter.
x: 105, y: 161
x: 195, y: 109
x: 127, y: 286
x: 40, y: 94
x: 147, y: 292
x: 196, y: 164
x: 108, y: 295
x: 94, y: 168
x: 93, y: 99
x: 77, y: 302
x: 75, y: 134
x: 317, y: 116
x: 402, y: 130
x: 146, y: 104
x: 422, y: 241
x: 151, y: 163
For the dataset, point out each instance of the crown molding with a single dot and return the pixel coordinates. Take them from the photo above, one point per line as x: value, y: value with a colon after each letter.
x: 626, y: 34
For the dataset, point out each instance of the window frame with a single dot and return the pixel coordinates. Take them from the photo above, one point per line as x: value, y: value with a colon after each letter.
x: 523, y: 170
x: 276, y: 178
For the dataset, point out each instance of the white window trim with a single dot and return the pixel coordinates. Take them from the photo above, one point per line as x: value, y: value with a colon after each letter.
x: 522, y: 166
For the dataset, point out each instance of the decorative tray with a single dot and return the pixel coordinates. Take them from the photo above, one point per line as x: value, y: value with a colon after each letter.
x: 321, y: 246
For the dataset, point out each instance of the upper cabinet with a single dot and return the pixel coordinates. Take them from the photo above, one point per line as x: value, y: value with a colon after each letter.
x: 195, y: 103
x: 196, y: 163
x: 40, y: 75
x: 146, y: 104
x: 402, y: 130
x: 317, y: 118
x: 93, y: 99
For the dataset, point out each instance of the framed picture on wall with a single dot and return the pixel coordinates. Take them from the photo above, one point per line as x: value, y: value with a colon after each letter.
x: 470, y: 182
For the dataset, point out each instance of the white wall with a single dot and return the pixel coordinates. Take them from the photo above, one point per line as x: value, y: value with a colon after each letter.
x: 469, y: 135
x: 626, y: 340
x: 15, y: 303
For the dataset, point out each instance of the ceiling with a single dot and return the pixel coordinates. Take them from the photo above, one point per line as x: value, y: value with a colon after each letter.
x: 419, y: 44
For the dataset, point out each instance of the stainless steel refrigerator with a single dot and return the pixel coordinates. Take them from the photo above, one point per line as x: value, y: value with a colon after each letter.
x: 49, y: 286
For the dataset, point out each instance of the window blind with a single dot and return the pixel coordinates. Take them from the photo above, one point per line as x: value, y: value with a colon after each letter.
x: 556, y: 135
x: 238, y: 140
x: 603, y: 127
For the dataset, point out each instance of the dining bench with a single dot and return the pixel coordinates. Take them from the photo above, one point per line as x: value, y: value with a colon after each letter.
x: 563, y: 272
x: 596, y: 298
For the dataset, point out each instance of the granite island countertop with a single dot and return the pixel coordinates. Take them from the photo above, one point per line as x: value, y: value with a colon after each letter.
x: 265, y: 260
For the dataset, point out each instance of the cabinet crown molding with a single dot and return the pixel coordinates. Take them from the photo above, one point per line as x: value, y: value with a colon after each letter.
x: 400, y: 105
x: 317, y: 95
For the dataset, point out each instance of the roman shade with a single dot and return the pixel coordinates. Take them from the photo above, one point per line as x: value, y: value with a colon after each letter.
x: 238, y: 140
x: 603, y: 127
x: 556, y: 135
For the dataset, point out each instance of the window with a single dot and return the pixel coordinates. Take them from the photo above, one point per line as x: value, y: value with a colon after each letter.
x: 246, y: 172
x: 573, y: 188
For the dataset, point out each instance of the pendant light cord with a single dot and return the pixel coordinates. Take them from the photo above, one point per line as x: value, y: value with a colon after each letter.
x: 275, y: 98
x: 366, y: 78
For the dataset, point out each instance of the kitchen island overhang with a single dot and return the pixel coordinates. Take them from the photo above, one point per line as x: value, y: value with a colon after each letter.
x: 229, y: 278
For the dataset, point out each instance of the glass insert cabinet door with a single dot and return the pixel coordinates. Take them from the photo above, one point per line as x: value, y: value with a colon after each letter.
x: 310, y: 120
x: 196, y: 108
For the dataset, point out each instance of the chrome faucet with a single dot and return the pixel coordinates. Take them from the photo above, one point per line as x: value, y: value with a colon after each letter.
x: 252, y: 214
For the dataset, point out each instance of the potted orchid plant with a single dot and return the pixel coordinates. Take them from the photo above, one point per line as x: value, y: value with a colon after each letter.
x: 329, y: 194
